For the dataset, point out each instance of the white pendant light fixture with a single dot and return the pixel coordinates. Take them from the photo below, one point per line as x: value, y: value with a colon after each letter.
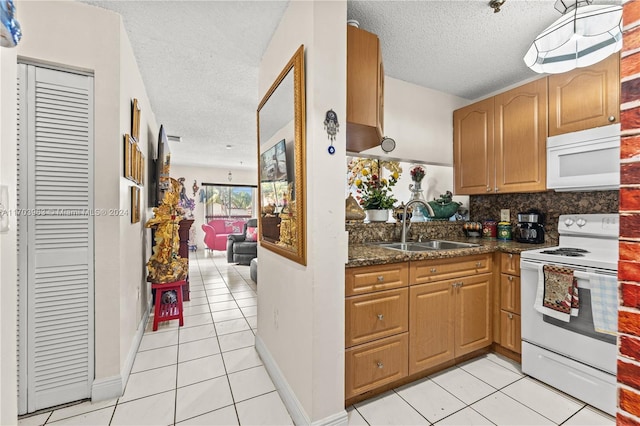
x: 584, y: 35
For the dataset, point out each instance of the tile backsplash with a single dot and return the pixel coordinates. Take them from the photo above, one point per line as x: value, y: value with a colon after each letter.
x: 552, y: 204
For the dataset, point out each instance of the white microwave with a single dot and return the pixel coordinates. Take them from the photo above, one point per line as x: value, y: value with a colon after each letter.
x: 588, y: 160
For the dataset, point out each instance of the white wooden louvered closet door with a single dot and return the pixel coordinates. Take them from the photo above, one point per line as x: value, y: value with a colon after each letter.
x: 55, y: 236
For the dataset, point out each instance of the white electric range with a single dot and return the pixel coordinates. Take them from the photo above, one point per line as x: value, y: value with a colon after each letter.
x: 576, y: 355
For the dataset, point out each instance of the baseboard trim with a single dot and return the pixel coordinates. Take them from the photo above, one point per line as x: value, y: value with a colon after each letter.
x: 289, y: 398
x: 107, y: 388
x: 133, y: 350
x: 113, y: 387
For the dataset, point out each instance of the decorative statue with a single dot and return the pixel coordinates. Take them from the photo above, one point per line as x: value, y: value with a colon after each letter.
x: 165, y: 265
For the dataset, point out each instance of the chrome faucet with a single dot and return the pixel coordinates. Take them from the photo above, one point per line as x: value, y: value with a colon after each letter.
x: 403, y: 237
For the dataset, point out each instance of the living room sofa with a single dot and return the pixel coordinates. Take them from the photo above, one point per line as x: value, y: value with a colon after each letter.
x: 216, y: 232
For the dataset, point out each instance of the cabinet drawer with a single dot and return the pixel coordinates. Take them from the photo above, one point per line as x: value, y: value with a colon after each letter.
x: 510, y: 293
x: 426, y: 271
x: 376, y: 315
x: 366, y: 279
x: 374, y: 364
x: 510, y: 336
x: 510, y: 263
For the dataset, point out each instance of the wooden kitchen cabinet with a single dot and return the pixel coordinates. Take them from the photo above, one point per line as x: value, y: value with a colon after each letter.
x: 473, y: 159
x: 404, y: 318
x: 377, y: 315
x: 367, y: 279
x: 376, y: 324
x: 499, y: 144
x: 585, y: 97
x: 365, y: 90
x: 509, y: 315
x: 375, y: 364
x: 449, y: 317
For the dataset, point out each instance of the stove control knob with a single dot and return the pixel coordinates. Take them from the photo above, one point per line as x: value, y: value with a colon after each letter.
x: 581, y: 222
x: 568, y: 222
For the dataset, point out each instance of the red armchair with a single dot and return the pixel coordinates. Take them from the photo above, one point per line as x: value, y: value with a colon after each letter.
x: 217, y: 231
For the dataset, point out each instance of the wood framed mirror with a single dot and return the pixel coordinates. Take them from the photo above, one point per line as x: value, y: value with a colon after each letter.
x: 281, y: 163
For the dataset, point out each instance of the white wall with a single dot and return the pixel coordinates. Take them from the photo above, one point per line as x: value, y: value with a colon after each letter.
x: 92, y: 43
x: 135, y: 239
x: 209, y: 175
x: 301, y: 309
x: 420, y: 120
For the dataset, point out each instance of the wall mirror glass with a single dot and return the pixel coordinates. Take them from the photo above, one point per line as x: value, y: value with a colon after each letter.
x: 281, y: 159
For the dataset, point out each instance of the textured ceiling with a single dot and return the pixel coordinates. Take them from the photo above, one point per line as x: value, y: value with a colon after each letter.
x: 199, y: 59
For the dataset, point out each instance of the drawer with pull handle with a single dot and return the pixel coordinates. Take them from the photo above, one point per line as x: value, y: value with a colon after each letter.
x: 374, y: 364
x: 367, y: 279
x: 425, y: 271
x: 376, y: 315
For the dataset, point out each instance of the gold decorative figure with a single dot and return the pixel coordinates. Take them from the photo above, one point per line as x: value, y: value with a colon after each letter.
x: 165, y: 265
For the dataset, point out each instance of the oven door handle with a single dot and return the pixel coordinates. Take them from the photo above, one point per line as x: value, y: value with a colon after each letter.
x: 582, y: 274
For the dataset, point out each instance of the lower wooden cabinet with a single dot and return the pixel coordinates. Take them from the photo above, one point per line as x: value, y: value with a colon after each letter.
x: 375, y: 364
x: 376, y: 315
x: 448, y: 319
x: 508, y: 311
x: 510, y: 337
x: 404, y: 318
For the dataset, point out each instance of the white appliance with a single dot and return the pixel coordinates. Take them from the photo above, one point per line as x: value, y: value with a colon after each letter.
x: 587, y: 160
x: 572, y: 356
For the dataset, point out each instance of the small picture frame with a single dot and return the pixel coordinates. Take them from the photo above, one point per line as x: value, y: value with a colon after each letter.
x: 135, y: 204
x: 128, y: 156
x: 135, y: 119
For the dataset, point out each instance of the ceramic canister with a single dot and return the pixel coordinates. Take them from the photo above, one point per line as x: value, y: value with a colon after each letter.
x: 489, y: 229
x: 504, y: 230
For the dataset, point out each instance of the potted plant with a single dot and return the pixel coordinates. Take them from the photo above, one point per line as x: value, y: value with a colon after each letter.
x: 373, y: 191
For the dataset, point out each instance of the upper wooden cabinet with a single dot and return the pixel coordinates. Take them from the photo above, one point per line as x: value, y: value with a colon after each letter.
x: 499, y: 144
x: 585, y: 97
x: 365, y: 90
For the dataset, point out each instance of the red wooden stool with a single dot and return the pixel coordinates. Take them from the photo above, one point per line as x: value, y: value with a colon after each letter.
x: 167, y: 311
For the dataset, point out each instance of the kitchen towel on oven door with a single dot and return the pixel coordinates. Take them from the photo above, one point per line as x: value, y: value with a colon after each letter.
x: 604, y: 303
x: 557, y: 293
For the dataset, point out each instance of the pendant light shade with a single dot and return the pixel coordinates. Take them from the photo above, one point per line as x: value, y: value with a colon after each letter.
x: 580, y: 38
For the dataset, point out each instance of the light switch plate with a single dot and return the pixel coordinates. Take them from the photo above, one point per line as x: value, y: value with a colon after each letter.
x: 505, y: 215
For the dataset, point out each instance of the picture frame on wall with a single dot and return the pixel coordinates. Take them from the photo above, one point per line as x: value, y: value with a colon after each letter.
x: 135, y: 119
x: 128, y: 156
x: 135, y: 204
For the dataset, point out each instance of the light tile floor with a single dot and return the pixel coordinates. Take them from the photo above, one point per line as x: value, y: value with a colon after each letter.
x: 208, y: 373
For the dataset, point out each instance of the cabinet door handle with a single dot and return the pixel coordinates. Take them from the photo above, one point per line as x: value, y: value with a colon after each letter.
x: 379, y: 364
x: 488, y: 189
x: 510, y: 255
x: 380, y: 278
x: 510, y: 316
x: 380, y: 317
x: 510, y: 278
x: 497, y: 189
x: 478, y: 264
x: 612, y: 118
x: 434, y: 270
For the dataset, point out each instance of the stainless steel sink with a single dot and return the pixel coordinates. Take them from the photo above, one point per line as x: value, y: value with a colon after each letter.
x: 427, y: 245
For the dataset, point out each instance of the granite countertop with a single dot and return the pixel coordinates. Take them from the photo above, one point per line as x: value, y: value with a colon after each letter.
x: 367, y: 254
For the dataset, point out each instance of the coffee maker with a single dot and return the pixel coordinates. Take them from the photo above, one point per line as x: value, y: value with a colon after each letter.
x: 530, y: 228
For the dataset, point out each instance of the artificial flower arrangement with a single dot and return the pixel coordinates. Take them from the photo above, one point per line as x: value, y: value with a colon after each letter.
x: 373, y: 191
x: 417, y: 174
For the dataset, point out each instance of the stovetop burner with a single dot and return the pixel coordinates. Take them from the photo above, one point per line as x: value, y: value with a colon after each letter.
x: 577, y: 250
x: 566, y: 251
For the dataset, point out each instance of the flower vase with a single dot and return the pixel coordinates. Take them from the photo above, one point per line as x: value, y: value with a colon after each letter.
x: 377, y: 215
x: 417, y: 194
